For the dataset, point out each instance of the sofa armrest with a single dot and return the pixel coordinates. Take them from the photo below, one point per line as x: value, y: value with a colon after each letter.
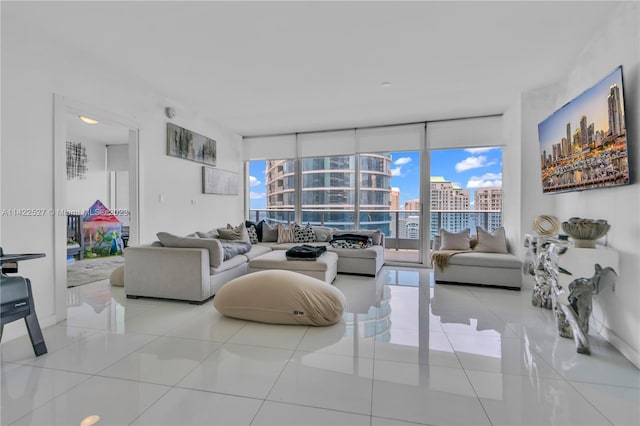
x: 167, y: 272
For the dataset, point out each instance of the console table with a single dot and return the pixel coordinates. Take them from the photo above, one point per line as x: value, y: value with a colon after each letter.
x: 566, y: 278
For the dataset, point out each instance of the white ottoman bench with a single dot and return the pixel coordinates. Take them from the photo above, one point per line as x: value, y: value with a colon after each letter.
x: 324, y: 268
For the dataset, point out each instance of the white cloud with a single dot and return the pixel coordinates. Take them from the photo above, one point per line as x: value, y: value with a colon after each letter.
x: 479, y: 150
x: 488, y: 179
x: 396, y: 171
x: 473, y: 163
x: 395, y: 188
x: 256, y: 195
x: 402, y: 161
x: 253, y: 181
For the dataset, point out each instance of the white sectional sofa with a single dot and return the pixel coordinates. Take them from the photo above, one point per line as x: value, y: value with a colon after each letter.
x: 195, y: 274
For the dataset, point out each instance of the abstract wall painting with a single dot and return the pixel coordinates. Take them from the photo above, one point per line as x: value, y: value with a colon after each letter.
x: 76, y: 161
x: 183, y: 143
x: 215, y: 181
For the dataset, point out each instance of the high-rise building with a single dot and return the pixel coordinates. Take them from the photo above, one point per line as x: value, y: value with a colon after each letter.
x: 557, y: 151
x: 449, y: 206
x: 583, y: 132
x: 328, y: 190
x: 394, y: 199
x: 488, y: 201
x: 569, y: 138
x: 566, y: 148
x: 447, y: 196
x: 412, y: 205
x: 591, y: 137
x: 616, y: 119
x: 489, y: 198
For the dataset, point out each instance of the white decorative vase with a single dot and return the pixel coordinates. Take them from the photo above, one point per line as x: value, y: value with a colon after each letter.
x: 584, y: 243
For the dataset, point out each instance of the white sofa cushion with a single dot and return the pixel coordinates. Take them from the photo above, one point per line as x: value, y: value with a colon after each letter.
x: 489, y: 260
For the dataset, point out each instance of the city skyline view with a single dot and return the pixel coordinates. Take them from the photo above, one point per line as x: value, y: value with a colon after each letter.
x: 469, y: 168
x: 592, y: 104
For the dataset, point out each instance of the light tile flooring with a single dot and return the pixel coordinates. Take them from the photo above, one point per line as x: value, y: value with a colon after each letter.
x: 406, y: 352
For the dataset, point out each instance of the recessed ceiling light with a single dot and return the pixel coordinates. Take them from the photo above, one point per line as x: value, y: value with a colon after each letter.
x: 90, y: 420
x: 88, y: 120
x: 385, y: 84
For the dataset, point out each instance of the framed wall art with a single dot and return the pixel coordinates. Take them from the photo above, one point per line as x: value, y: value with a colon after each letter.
x: 216, y: 181
x: 183, y: 143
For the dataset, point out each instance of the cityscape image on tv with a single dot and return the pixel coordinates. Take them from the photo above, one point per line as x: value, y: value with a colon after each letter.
x: 583, y: 145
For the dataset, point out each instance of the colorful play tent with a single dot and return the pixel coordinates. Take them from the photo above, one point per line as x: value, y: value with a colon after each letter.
x: 101, y: 232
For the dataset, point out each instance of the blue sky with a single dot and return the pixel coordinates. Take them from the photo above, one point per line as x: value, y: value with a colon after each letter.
x: 592, y: 103
x: 469, y: 168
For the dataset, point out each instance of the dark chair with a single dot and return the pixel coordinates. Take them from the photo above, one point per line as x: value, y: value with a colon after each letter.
x: 16, y: 302
x: 74, y: 235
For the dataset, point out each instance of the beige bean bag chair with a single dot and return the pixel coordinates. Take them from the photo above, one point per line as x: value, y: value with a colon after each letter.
x: 281, y: 297
x: 117, y: 276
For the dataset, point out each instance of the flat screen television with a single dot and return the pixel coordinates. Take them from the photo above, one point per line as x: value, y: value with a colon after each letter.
x: 583, y: 145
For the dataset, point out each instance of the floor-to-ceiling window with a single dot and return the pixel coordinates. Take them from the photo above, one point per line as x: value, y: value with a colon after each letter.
x: 370, y: 178
x: 328, y: 191
x: 466, y: 189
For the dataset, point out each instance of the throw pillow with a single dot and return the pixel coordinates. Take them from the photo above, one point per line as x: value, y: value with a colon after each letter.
x: 259, y: 229
x: 237, y: 233
x: 494, y: 242
x: 304, y: 235
x: 213, y: 245
x: 454, y: 240
x: 323, y: 233
x: 286, y: 234
x: 253, y: 234
x: 209, y: 234
x: 269, y: 233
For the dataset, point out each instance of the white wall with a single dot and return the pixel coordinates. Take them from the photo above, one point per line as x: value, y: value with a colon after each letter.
x: 82, y: 193
x: 616, y: 42
x: 32, y: 71
x: 511, y: 182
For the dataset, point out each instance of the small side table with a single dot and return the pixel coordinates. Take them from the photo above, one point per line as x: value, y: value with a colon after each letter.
x: 16, y: 299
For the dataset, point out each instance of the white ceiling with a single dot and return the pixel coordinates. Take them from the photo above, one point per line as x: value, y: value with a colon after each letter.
x: 274, y: 67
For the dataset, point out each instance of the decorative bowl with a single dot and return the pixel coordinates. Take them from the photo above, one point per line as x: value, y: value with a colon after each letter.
x: 585, y: 232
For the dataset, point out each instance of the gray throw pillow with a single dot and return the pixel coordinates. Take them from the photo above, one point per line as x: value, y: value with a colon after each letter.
x: 238, y: 233
x: 269, y: 233
x: 209, y: 234
x: 323, y: 233
x: 213, y: 245
x: 494, y: 242
x: 454, y: 240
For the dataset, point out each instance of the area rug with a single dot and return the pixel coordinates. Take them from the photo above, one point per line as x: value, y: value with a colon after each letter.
x: 90, y: 270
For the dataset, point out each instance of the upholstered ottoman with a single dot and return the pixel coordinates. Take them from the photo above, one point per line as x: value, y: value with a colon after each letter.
x: 281, y: 297
x: 324, y: 268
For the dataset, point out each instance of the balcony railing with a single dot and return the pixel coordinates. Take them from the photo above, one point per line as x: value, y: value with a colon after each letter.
x: 401, y: 227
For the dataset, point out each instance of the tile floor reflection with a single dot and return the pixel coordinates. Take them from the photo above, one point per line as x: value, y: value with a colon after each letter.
x: 406, y: 352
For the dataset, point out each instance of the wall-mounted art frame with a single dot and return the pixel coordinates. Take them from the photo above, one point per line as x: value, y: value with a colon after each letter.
x: 76, y: 161
x: 216, y: 181
x: 183, y: 143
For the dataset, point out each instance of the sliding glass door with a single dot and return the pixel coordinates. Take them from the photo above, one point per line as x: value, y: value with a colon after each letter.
x: 466, y: 189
